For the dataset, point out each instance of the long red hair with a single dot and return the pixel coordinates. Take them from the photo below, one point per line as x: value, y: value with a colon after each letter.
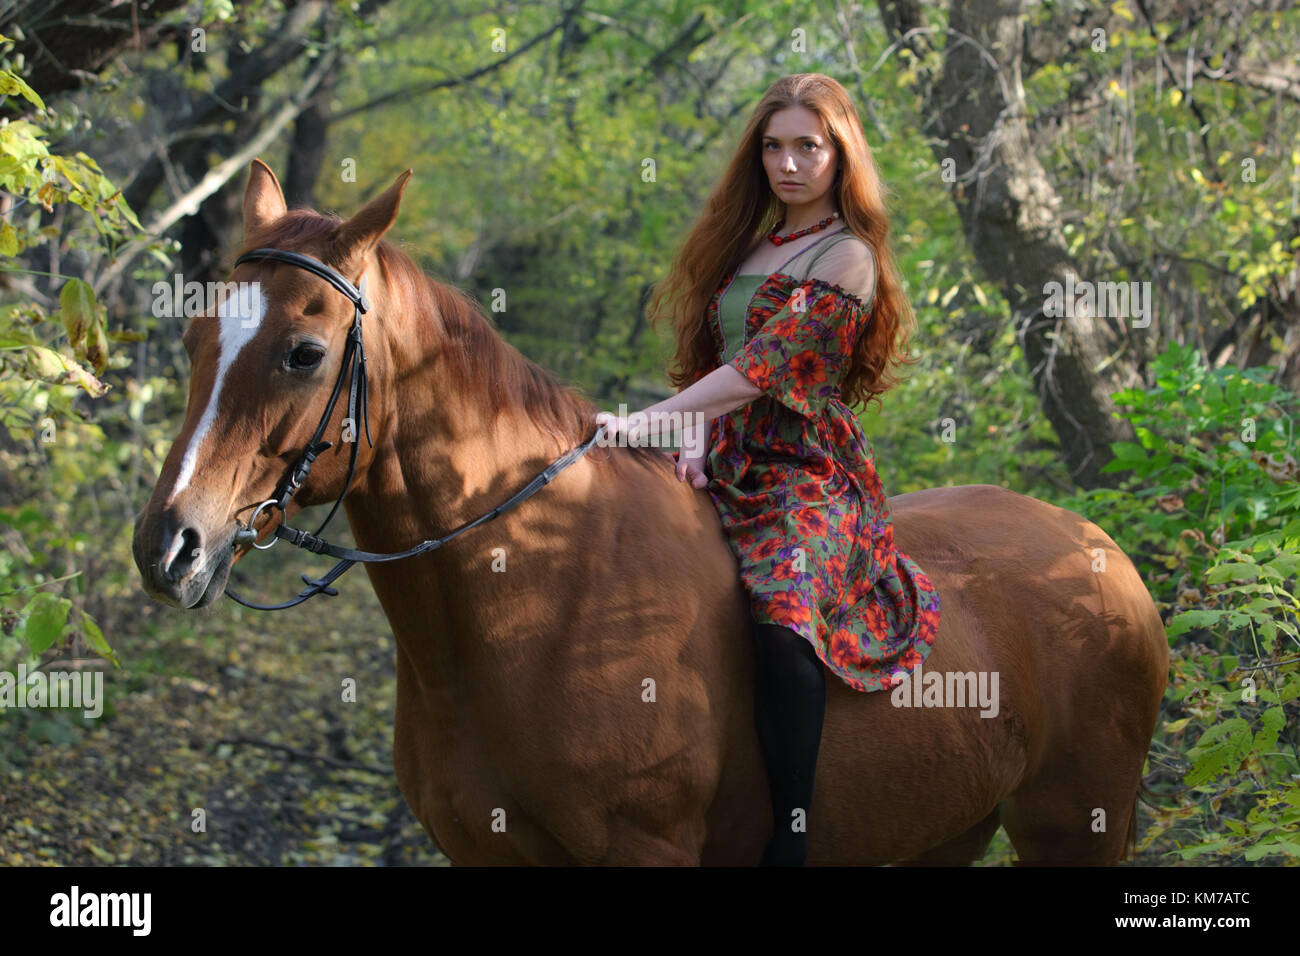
x: 742, y: 209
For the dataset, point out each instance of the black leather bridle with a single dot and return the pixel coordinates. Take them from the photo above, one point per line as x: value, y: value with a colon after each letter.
x: 353, y: 366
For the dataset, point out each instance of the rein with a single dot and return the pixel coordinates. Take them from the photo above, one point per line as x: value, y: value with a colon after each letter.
x: 353, y: 366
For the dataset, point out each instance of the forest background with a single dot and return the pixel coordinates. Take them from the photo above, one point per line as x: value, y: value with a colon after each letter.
x: 561, y: 150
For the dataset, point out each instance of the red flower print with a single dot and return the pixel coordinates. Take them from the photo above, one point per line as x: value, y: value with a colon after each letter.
x: 811, y: 523
x: 844, y: 649
x: 808, y: 369
x: 788, y: 608
x: 787, y: 571
x: 767, y: 549
x: 809, y: 492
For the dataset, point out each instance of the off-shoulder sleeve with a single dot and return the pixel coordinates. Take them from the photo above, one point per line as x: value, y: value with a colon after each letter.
x: 801, y: 354
x: 850, y: 265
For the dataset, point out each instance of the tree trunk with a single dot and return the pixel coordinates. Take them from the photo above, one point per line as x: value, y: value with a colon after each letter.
x: 307, y: 147
x: 1008, y: 208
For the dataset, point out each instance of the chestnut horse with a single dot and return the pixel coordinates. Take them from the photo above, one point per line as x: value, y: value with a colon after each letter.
x: 574, y: 679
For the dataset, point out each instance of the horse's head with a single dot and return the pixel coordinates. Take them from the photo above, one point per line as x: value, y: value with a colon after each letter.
x: 263, y: 366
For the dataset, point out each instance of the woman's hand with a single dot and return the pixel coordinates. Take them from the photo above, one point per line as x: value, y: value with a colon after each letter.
x: 689, y: 469
x: 627, y: 425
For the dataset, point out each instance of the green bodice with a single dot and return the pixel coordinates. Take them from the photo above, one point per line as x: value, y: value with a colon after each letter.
x: 733, y: 308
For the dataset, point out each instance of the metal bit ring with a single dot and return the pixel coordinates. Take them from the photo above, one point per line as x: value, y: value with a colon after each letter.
x: 252, y: 518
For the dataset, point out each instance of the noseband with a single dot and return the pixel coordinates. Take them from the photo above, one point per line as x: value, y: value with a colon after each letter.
x: 353, y: 367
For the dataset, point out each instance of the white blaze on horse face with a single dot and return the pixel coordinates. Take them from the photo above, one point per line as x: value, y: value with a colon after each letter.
x: 239, y: 315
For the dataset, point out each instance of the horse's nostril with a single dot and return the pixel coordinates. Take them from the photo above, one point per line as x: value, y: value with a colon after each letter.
x: 184, y: 555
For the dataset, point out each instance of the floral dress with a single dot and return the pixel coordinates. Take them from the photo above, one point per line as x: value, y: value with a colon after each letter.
x: 793, y: 476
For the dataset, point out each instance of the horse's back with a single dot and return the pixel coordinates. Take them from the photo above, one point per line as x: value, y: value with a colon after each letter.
x: 1053, y: 603
x: 984, y: 543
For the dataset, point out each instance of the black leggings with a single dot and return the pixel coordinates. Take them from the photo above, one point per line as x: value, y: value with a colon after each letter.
x: 790, y: 702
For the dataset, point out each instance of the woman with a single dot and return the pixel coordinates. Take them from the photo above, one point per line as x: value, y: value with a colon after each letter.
x: 787, y: 304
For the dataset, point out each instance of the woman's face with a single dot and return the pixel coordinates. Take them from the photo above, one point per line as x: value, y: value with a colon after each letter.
x: 797, y: 152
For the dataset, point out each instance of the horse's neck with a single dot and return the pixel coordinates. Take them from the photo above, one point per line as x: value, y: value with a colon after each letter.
x: 439, y: 464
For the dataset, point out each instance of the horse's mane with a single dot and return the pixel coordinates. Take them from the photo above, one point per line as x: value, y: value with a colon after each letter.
x: 493, y: 372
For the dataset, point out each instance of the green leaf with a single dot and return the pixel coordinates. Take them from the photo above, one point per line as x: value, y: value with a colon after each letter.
x: 1231, y: 571
x: 1270, y: 723
x: 95, y: 638
x: 97, y: 347
x: 1188, y: 852
x: 1290, y: 690
x: 1212, y: 756
x: 46, y: 614
x: 77, y: 303
x: 1190, y: 619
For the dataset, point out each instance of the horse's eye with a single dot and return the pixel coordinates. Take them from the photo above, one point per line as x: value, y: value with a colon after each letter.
x: 305, y: 357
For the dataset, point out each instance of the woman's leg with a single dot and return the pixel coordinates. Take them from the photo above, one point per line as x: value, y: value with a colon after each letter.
x: 790, y: 702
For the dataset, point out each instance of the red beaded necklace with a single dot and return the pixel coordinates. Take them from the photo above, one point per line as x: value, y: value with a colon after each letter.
x: 778, y: 240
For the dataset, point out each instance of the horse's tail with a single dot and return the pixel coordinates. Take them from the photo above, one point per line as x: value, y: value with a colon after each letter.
x: 1131, y: 839
x: 1147, y: 796
x: 1145, y: 793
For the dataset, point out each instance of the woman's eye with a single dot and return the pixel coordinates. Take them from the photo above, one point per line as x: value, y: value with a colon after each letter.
x: 305, y: 357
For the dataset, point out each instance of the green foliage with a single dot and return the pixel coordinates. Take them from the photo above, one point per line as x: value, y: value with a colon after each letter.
x: 47, y: 361
x: 1182, y: 184
x: 1215, y: 453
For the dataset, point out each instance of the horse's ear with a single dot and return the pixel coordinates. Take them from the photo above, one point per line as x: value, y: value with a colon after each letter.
x: 263, y: 200
x: 356, y: 237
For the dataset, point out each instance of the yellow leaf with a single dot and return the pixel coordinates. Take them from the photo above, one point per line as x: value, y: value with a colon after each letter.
x: 8, y: 240
x: 1121, y: 9
x: 45, y: 363
x: 1175, y: 96
x: 94, y: 388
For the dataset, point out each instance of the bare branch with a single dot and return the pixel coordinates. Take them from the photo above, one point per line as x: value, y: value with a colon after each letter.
x: 219, y: 175
x: 419, y: 89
